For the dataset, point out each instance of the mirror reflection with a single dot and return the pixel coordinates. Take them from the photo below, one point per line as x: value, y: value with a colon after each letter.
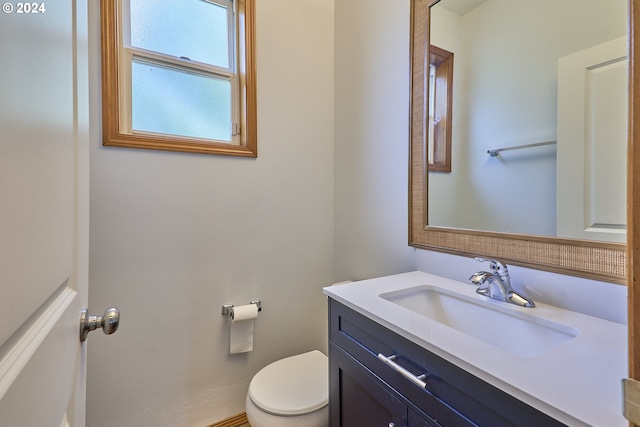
x: 526, y: 73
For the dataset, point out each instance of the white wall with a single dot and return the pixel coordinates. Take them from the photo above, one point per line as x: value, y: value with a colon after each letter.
x: 174, y: 236
x: 371, y: 138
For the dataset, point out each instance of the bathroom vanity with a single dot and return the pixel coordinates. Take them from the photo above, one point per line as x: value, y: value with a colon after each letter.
x: 397, y: 357
x: 366, y: 389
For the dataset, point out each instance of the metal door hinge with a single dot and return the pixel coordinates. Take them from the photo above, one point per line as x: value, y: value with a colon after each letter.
x: 631, y: 400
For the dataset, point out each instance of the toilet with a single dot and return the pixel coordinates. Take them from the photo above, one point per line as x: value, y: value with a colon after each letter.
x: 291, y: 392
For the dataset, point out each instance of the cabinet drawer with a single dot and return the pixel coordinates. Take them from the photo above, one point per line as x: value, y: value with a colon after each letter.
x: 453, y: 397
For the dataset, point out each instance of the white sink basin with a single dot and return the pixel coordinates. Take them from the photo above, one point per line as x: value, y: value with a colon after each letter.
x: 497, y: 323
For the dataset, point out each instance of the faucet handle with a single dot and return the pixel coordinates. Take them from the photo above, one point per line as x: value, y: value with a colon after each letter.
x: 478, y: 278
x: 496, y: 266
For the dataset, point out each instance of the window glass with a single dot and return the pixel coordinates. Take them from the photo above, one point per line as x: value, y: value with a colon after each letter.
x: 195, y: 29
x: 170, y: 101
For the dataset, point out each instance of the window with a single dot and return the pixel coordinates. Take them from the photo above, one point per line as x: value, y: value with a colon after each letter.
x: 179, y: 75
x: 440, y: 94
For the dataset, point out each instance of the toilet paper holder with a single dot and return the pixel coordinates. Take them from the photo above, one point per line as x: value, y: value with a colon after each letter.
x: 227, y: 309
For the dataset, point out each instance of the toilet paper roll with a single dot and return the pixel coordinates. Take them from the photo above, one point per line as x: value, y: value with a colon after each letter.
x: 241, y: 336
x: 245, y: 312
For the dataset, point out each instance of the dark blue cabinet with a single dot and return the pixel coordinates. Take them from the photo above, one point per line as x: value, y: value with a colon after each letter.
x: 365, y: 391
x: 362, y: 398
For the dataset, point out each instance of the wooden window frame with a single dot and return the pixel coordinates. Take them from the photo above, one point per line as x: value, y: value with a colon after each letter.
x: 113, y: 133
x: 440, y: 144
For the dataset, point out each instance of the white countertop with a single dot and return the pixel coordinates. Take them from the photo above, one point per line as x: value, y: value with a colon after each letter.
x: 577, y: 382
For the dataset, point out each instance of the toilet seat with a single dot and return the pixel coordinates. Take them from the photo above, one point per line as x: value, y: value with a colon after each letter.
x: 294, y: 385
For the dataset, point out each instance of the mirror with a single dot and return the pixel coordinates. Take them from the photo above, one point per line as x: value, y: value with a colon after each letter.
x: 509, y: 92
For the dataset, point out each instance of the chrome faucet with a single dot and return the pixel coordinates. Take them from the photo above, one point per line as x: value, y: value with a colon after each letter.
x: 497, y: 284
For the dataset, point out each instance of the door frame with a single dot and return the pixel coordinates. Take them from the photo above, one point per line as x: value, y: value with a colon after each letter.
x: 633, y: 194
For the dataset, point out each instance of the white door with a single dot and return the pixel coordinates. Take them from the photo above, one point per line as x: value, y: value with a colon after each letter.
x: 43, y: 212
x: 592, y: 143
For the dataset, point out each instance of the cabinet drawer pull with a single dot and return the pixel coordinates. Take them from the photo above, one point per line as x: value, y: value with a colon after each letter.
x: 419, y: 380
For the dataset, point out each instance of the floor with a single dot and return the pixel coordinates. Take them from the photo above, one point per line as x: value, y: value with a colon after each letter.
x: 239, y: 420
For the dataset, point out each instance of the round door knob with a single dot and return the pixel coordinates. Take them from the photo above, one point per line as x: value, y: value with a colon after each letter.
x: 109, y: 322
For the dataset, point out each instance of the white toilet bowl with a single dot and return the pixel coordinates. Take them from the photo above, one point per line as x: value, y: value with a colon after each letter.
x: 291, y: 392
